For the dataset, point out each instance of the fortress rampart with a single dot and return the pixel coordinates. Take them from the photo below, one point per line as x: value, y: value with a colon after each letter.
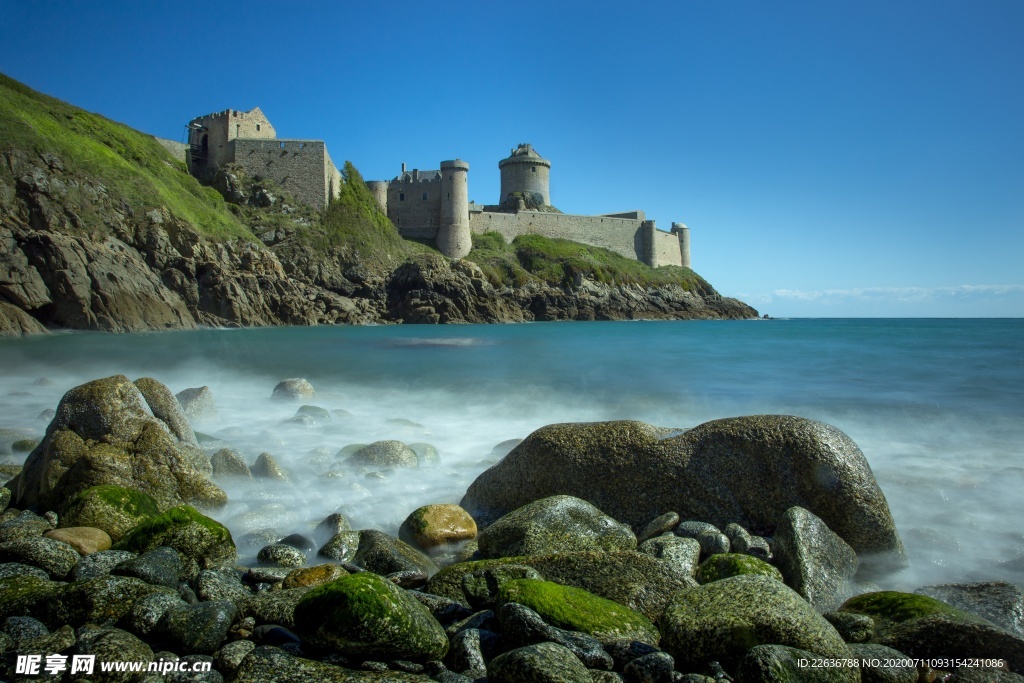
x: 429, y: 204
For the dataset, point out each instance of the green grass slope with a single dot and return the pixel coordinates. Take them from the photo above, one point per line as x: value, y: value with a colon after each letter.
x: 132, y: 166
x: 558, y: 262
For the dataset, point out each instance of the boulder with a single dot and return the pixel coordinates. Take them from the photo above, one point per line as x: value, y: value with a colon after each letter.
x: 55, y: 557
x: 431, y: 526
x: 198, y: 628
x: 815, y: 562
x: 197, y: 538
x: 552, y: 525
x: 197, y: 404
x: 295, y: 389
x: 268, y: 664
x: 15, y: 322
x: 107, y: 433
x: 385, y: 454
x: 635, y: 580
x: 108, y: 644
x: 723, y: 619
x: 544, y: 663
x: 574, y: 609
x: 86, y: 540
x: 780, y: 664
x: 266, y: 467
x: 228, y: 462
x: 367, y: 616
x: 383, y: 554
x: 1000, y: 602
x: 724, y: 565
x: 113, y: 509
x: 926, y: 628
x: 747, y: 470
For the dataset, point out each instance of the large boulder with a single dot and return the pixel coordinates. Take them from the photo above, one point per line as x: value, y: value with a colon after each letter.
x: 365, y: 615
x: 552, y: 525
x: 723, y: 619
x: 107, y: 433
x: 816, y: 563
x: 744, y: 470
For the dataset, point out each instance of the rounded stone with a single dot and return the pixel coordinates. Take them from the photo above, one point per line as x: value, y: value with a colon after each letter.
x: 724, y: 565
x: 658, y: 526
x: 540, y: 663
x: 158, y: 567
x: 436, y: 525
x: 310, y: 577
x: 555, y: 524
x: 114, y: 509
x: 282, y: 555
x: 266, y: 467
x: 723, y: 619
x: 199, y: 628
x: 228, y: 462
x: 55, y: 557
x: 99, y: 564
x: 197, y: 404
x: 85, y: 539
x: 295, y: 389
x: 574, y: 609
x: 385, y: 454
x: 365, y: 615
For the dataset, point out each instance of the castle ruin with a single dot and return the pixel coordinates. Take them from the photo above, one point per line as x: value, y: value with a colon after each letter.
x: 434, y: 204
x: 246, y: 139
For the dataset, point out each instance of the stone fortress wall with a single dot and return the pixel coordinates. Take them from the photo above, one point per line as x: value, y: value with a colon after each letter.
x: 429, y: 204
x: 409, y: 202
x: 246, y: 138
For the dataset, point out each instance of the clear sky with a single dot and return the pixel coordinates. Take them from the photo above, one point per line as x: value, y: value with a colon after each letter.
x: 831, y: 158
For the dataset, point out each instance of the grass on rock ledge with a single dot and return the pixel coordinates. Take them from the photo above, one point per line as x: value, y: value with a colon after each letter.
x: 560, y: 262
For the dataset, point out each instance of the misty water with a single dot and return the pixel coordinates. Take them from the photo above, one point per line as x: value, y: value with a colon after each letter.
x: 937, y: 406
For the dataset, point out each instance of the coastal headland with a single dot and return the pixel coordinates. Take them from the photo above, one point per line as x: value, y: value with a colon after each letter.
x: 103, y: 228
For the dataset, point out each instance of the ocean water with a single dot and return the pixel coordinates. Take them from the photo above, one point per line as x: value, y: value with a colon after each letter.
x: 937, y: 406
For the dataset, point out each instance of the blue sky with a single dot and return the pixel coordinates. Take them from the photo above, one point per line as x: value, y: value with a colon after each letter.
x: 831, y: 159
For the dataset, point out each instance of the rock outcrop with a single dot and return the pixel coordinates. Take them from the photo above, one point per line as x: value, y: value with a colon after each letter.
x: 74, y: 257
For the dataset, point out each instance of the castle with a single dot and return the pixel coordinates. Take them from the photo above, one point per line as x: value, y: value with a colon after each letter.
x: 430, y: 204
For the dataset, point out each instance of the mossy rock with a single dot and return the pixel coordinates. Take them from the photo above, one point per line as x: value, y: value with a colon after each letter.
x: 194, y: 535
x: 365, y: 615
x: 724, y: 565
x: 114, y: 509
x: 24, y: 445
x: 575, y: 609
x: 28, y: 596
x: 888, y: 608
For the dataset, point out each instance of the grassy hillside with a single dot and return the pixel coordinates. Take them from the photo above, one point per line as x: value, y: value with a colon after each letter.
x: 558, y: 262
x: 132, y: 166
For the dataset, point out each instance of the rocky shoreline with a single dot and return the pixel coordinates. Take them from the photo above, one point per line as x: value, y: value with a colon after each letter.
x: 153, y: 272
x: 747, y: 549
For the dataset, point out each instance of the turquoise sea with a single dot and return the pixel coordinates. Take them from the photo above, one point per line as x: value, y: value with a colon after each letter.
x: 937, y: 406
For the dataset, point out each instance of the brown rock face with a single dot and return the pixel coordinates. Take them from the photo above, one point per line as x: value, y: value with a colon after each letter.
x: 86, y: 540
x: 105, y: 433
x: 747, y: 470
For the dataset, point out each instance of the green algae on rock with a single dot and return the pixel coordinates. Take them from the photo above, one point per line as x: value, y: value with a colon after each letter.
x: 194, y: 535
x: 724, y: 619
x: 575, y: 609
x: 366, y: 615
x: 114, y: 509
x: 724, y: 565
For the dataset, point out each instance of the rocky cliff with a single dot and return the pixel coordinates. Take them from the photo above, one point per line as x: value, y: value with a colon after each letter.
x: 102, y: 229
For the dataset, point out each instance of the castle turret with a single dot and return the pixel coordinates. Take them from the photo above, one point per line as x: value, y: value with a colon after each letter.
x: 379, y: 190
x: 453, y: 237
x: 683, y: 233
x: 525, y: 175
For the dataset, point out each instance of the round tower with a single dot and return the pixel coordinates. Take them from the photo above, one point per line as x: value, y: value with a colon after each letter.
x: 683, y: 233
x: 453, y: 237
x: 524, y: 171
x: 379, y: 190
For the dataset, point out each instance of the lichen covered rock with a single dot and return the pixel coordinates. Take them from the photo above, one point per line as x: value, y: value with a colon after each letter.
x: 574, y: 609
x: 634, y: 472
x: 724, y: 565
x: 722, y: 620
x: 114, y: 509
x: 106, y: 432
x: 555, y: 524
x: 193, y: 535
x: 365, y: 615
x: 431, y: 526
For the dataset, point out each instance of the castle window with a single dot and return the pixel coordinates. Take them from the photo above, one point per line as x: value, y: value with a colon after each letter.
x: 238, y: 129
x: 257, y: 128
x: 424, y: 196
x: 533, y: 169
x: 401, y: 196
x: 282, y: 145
